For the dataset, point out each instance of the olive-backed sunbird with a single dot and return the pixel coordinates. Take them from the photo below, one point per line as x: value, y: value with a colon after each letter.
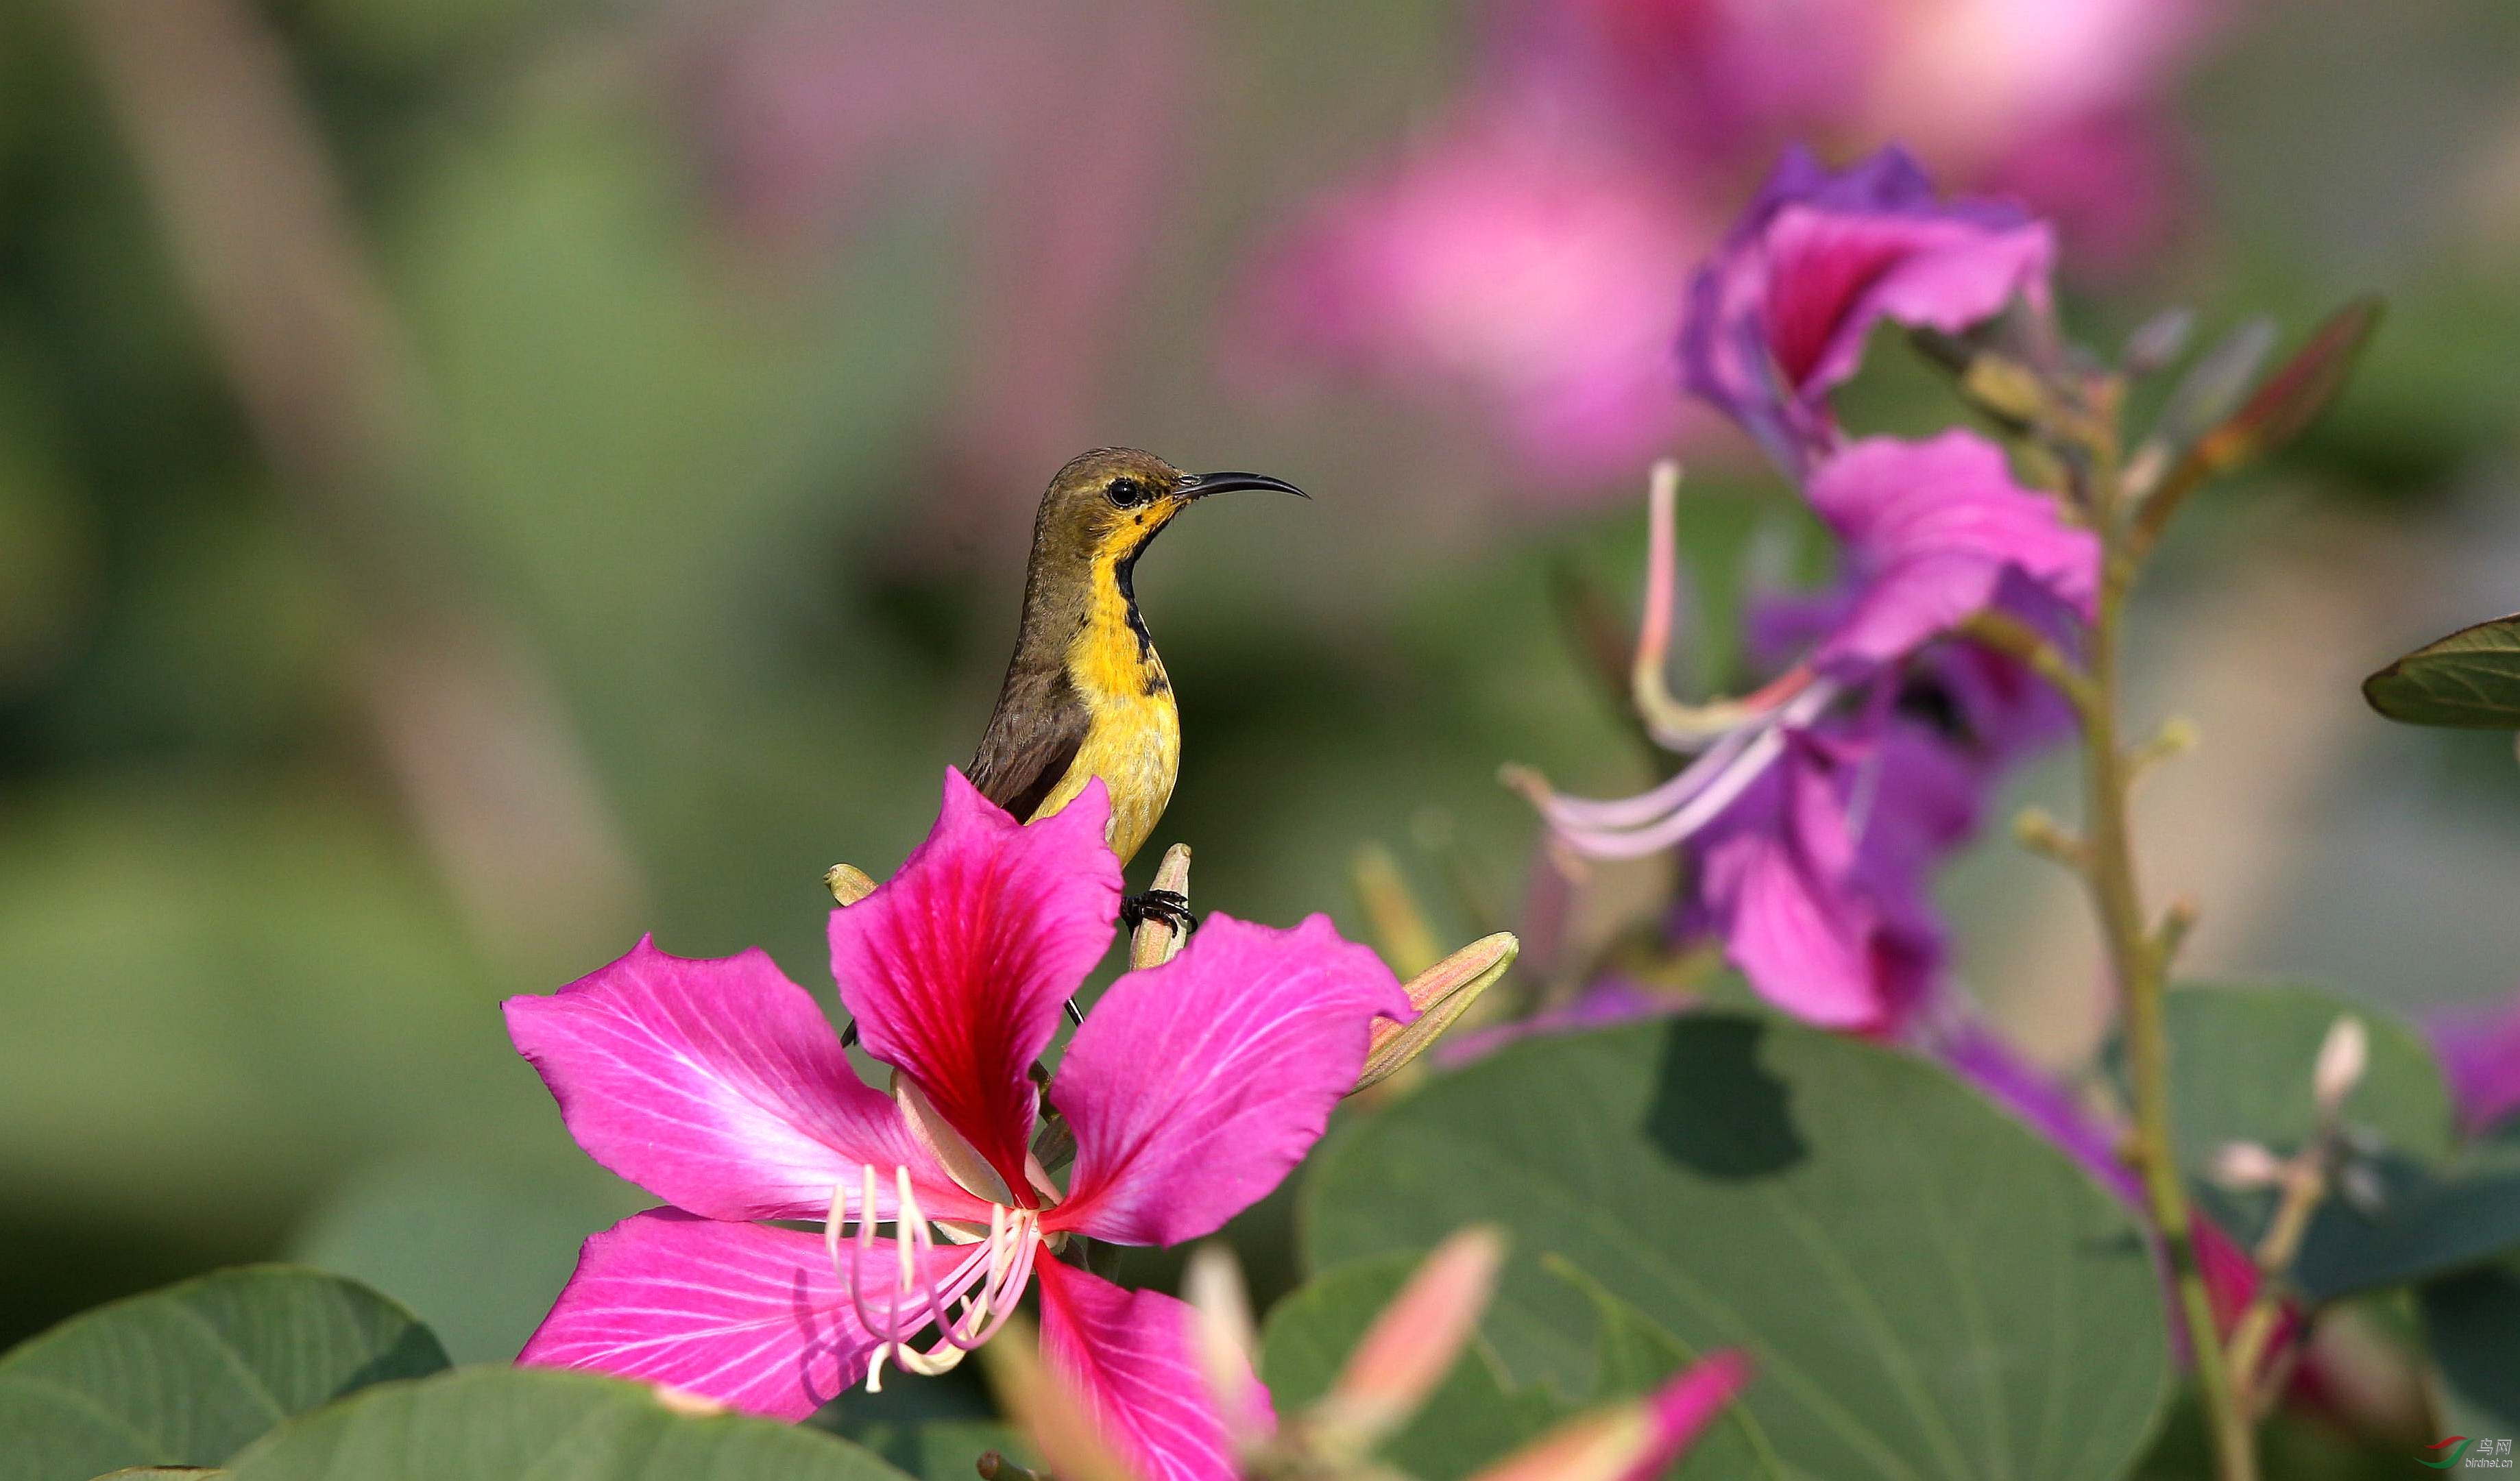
x: 1085, y: 694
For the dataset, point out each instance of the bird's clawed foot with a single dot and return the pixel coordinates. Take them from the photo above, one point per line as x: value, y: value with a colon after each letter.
x: 1171, y: 907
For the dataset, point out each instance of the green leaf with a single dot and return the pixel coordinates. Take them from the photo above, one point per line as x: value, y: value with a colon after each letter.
x: 478, y: 1246
x: 1472, y: 1417
x: 2431, y: 1222
x: 945, y: 1450
x: 190, y: 1375
x: 1928, y: 1288
x: 2241, y: 1066
x: 503, y: 1423
x: 1636, y: 1356
x: 2240, y: 1058
x: 2470, y: 680
x: 2470, y: 1321
x: 930, y: 1427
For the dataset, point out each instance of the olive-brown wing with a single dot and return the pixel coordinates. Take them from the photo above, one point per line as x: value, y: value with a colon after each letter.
x: 1031, y: 741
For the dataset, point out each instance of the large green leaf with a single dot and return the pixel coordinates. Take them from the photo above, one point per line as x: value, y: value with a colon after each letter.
x: 945, y: 1450
x: 1928, y: 1288
x: 504, y: 1423
x: 2472, y: 1326
x: 2470, y: 678
x: 2240, y: 1064
x: 2431, y: 1221
x: 190, y: 1375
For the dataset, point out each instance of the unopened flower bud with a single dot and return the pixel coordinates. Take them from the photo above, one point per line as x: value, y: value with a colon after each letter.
x: 2342, y: 1059
x: 2005, y: 386
x: 1225, y: 1339
x: 1156, y: 940
x: 1414, y: 1343
x: 1049, y: 1410
x: 848, y: 883
x: 1400, y: 926
x: 2157, y: 341
x: 1441, y: 994
x: 1639, y: 1438
x: 2243, y: 1165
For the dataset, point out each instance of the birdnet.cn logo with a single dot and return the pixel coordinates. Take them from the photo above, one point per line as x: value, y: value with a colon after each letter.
x: 2468, y: 1454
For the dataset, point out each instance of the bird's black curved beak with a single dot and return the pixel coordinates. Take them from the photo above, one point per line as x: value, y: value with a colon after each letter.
x: 1200, y: 486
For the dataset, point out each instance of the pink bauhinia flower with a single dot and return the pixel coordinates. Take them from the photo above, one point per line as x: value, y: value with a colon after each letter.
x: 1531, y: 278
x: 719, y: 1086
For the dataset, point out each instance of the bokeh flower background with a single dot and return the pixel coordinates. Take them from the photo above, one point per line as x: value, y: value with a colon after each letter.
x: 482, y: 481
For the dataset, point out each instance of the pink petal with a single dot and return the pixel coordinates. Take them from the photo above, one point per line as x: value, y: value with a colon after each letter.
x: 1833, y: 274
x: 958, y: 966
x: 1537, y: 276
x: 1128, y: 1354
x: 753, y: 1317
x: 1779, y: 314
x: 717, y: 1085
x: 1800, y: 947
x: 1195, y: 1085
x: 1775, y: 877
x: 1935, y: 527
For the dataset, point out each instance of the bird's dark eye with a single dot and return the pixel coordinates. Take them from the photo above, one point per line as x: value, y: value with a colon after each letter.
x: 1127, y: 493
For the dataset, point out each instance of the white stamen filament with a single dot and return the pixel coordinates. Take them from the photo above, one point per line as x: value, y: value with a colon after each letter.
x: 1696, y: 796
x: 966, y: 1306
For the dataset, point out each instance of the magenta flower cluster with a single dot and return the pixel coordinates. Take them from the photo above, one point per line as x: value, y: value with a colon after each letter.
x: 1815, y: 814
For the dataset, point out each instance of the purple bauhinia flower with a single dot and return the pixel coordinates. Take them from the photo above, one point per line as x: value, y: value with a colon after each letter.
x: 718, y: 1086
x: 1815, y: 814
x: 1777, y: 317
x: 2478, y: 1046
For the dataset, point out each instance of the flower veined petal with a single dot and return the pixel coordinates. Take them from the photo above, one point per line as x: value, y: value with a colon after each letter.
x: 753, y: 1317
x: 1195, y: 1085
x: 1779, y: 881
x: 1936, y: 527
x: 1779, y: 314
x: 717, y: 1085
x: 956, y: 968
x: 1128, y: 1354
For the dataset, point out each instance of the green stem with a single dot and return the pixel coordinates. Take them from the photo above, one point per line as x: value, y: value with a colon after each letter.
x: 2305, y: 1185
x: 2138, y: 963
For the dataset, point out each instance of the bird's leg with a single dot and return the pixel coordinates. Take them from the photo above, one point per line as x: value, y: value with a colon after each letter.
x: 1171, y: 907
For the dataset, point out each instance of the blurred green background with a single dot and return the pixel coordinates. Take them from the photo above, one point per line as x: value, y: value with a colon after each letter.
x: 522, y: 519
